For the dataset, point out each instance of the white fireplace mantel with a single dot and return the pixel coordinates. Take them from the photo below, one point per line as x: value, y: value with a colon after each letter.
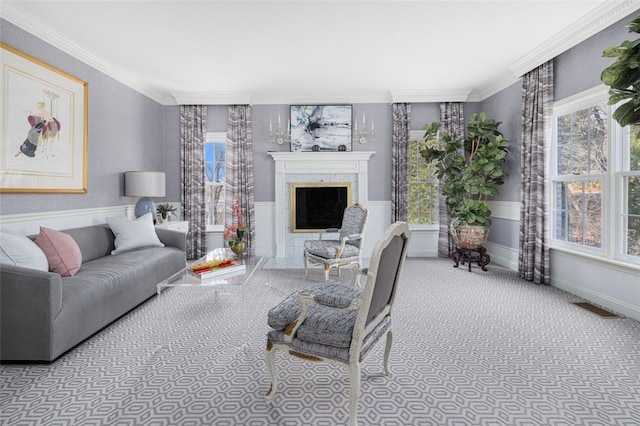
x: 325, y: 164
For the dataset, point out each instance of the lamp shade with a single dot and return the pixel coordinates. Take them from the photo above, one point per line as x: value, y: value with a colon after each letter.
x: 144, y: 184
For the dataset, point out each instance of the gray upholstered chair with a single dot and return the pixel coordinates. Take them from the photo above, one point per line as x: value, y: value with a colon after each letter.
x: 339, y: 323
x: 346, y: 250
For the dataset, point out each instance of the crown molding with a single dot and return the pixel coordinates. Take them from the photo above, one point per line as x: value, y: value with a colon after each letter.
x: 600, y: 18
x: 318, y: 99
x: 212, y: 98
x: 597, y: 20
x: 246, y: 98
x: 39, y: 28
x: 496, y: 87
x: 429, y: 95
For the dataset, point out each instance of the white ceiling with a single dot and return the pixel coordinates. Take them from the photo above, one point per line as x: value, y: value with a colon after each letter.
x: 273, y: 51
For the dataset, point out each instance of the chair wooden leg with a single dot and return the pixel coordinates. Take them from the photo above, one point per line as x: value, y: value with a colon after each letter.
x: 354, y: 390
x: 326, y: 272
x: 271, y: 364
x: 387, y: 350
x: 305, y: 266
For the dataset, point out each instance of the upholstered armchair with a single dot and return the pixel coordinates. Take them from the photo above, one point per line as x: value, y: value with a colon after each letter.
x: 338, y: 323
x: 346, y: 250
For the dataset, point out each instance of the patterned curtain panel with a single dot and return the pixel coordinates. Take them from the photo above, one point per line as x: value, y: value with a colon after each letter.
x: 537, y: 98
x: 239, y: 173
x: 193, y: 128
x: 451, y: 122
x: 401, y: 113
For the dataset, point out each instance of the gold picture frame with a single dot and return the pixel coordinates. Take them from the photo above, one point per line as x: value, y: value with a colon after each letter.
x: 44, y: 116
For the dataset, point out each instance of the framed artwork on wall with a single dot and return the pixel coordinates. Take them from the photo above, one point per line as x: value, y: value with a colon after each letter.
x: 321, y: 127
x: 44, y: 118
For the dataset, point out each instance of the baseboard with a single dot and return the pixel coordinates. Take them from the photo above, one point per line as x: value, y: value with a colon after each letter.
x: 599, y: 299
x: 505, y: 256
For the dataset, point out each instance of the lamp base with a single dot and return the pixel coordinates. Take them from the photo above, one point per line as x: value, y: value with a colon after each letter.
x: 143, y: 206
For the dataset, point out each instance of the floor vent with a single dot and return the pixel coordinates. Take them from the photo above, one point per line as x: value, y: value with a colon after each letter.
x: 596, y: 310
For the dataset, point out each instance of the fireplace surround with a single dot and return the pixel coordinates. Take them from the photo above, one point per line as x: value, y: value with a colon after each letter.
x: 317, y: 167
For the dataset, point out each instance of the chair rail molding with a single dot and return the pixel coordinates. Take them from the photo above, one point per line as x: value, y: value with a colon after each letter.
x: 30, y: 223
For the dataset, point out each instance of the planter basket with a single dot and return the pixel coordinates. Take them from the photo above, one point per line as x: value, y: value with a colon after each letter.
x: 469, y: 236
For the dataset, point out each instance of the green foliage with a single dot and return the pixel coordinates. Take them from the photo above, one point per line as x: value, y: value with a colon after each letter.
x: 468, y: 180
x: 623, y: 77
x: 164, y: 208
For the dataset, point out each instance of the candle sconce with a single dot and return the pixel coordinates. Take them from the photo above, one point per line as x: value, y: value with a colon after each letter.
x: 279, y: 135
x: 366, y: 132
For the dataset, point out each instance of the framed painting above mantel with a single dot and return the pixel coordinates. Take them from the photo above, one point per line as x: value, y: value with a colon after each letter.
x: 321, y: 127
x: 44, y: 119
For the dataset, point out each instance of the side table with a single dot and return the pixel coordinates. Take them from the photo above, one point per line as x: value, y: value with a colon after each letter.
x: 472, y: 255
x: 175, y: 225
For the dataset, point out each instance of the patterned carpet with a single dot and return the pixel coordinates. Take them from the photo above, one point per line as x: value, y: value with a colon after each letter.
x: 471, y: 348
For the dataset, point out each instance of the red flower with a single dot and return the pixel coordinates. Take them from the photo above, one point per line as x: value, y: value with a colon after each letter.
x: 239, y: 226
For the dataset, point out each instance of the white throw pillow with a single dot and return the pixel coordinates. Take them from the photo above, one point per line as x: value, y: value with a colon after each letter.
x: 133, y: 234
x: 18, y: 250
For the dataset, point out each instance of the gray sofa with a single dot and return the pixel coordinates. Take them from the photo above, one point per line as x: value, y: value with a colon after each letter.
x: 43, y: 315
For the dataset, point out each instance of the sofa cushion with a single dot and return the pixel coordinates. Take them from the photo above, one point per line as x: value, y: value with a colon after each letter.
x: 61, y: 250
x: 133, y: 234
x: 19, y: 250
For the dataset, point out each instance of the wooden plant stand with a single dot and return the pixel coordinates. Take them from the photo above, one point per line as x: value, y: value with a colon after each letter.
x: 472, y: 255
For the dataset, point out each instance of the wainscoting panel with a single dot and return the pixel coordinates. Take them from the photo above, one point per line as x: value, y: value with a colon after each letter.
x: 29, y: 224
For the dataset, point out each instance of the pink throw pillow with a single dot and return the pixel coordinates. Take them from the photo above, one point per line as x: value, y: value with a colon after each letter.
x: 62, y: 252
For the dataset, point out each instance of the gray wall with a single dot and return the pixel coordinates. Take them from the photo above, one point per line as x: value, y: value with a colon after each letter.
x: 264, y: 168
x: 127, y: 131
x: 579, y: 68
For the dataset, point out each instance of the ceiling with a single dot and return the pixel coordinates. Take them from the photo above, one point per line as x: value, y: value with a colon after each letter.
x: 270, y: 51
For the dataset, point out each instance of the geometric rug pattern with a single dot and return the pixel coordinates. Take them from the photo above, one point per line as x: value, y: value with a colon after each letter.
x: 470, y: 348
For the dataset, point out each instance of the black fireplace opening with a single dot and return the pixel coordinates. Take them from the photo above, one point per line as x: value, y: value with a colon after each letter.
x: 317, y: 207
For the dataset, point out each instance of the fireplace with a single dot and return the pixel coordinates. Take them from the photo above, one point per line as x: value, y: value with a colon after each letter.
x: 316, y: 206
x: 326, y: 168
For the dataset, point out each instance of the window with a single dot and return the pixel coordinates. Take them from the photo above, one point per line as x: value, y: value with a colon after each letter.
x: 630, y: 177
x: 214, y: 179
x: 423, y: 185
x: 595, y: 179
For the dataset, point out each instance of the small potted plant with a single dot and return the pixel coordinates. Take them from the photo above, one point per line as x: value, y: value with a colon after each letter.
x: 164, y: 209
x: 469, y: 176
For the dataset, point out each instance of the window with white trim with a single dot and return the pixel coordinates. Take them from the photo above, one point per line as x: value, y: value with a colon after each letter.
x: 595, y: 179
x: 422, y: 183
x: 215, y: 147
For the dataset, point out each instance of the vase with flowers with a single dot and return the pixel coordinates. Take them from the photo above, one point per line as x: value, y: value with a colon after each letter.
x: 234, y: 234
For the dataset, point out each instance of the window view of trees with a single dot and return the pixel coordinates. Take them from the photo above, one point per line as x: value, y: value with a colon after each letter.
x: 423, y: 187
x: 214, y: 178
x: 581, y: 163
x: 632, y: 185
x: 590, y: 160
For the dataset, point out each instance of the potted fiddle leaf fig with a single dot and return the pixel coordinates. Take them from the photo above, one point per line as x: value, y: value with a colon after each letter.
x: 469, y: 176
x: 623, y: 77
